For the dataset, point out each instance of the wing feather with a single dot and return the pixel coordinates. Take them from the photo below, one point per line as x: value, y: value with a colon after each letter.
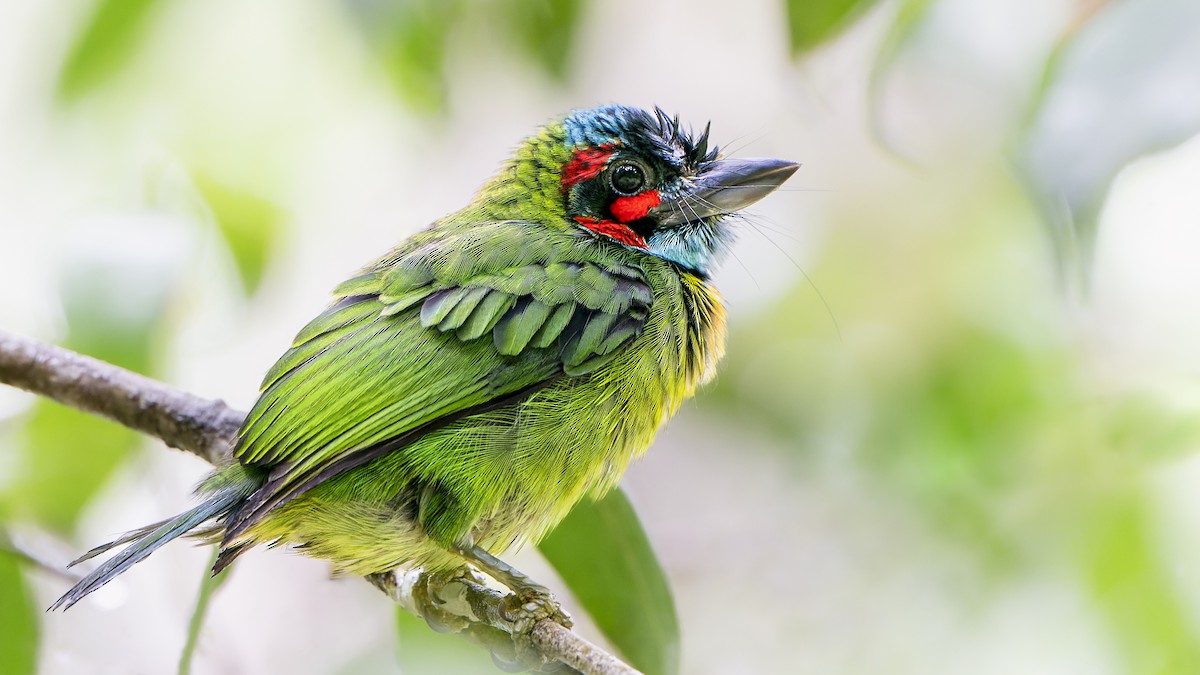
x: 401, y: 352
x: 516, y: 329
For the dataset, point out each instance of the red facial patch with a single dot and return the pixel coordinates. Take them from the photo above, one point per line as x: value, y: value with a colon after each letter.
x: 629, y: 209
x: 617, y: 231
x: 585, y: 164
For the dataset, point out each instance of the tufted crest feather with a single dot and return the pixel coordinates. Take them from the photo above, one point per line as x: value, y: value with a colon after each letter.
x: 695, y: 150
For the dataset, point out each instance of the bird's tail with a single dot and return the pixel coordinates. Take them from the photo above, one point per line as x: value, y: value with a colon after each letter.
x: 225, y: 491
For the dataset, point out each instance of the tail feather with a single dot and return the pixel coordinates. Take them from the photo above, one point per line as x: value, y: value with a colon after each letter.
x: 144, y: 541
x: 123, y: 539
x: 227, y: 555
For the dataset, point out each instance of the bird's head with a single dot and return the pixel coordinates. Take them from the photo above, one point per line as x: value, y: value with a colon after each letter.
x: 643, y: 181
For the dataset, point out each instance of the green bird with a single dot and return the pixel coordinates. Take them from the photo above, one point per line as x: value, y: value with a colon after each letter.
x: 465, y: 390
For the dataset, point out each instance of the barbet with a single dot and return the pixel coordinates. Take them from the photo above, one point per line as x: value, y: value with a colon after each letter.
x: 466, y: 389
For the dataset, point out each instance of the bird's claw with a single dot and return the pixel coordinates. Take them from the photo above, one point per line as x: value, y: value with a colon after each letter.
x: 529, y: 602
x: 470, y: 574
x: 523, y: 608
x: 425, y: 597
x: 526, y: 606
x: 519, y: 611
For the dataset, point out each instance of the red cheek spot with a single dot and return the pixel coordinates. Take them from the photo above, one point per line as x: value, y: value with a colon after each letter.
x: 616, y: 231
x: 585, y: 164
x: 629, y: 209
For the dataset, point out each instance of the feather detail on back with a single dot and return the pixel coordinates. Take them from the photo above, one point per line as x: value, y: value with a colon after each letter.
x: 424, y: 365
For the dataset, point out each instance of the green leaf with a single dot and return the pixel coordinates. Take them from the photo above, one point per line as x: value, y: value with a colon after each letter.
x: 904, y: 25
x: 1054, y: 61
x: 104, y: 45
x: 409, y: 40
x: 1150, y: 623
x: 18, y: 621
x: 812, y: 22
x: 249, y: 224
x: 547, y: 30
x: 1125, y: 76
x: 602, y: 553
x: 421, y: 650
x: 67, y: 457
x: 208, y: 586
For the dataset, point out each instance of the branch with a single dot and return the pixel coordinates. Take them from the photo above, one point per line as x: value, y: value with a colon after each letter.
x: 202, y: 427
x: 34, y: 560
x: 207, y: 429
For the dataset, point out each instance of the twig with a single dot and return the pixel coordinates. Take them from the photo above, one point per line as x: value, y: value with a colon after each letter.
x: 200, y: 426
x: 22, y: 553
x: 207, y: 428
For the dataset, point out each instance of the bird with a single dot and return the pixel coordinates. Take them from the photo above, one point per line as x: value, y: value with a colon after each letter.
x: 463, y: 391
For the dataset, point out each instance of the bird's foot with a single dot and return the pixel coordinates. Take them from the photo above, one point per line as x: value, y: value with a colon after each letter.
x: 527, y: 604
x: 446, y: 599
x: 468, y: 574
x: 530, y: 603
x: 522, y: 609
x: 425, y: 594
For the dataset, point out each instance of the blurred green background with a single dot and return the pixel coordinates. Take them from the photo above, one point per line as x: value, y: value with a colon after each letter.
x: 957, y: 428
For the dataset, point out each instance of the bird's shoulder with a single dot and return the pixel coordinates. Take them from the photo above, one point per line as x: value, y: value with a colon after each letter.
x: 528, y: 284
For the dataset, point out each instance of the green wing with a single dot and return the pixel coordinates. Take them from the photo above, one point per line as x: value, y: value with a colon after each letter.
x: 428, y: 337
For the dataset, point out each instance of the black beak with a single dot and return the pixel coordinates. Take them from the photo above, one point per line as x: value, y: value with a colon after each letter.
x: 723, y: 187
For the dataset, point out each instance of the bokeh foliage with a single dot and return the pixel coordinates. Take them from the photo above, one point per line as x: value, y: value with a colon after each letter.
x: 19, y: 617
x: 996, y: 434
x: 250, y: 226
x: 106, y: 42
x: 812, y: 23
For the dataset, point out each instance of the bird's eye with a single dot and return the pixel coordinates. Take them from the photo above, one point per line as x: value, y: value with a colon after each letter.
x: 627, y: 178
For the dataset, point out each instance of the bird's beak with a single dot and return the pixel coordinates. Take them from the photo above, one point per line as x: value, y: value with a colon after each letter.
x: 723, y: 187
